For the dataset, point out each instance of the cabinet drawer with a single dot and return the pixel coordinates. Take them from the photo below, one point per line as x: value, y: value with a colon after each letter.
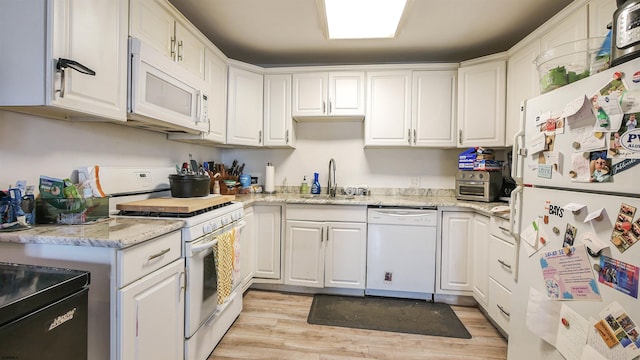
x: 499, y: 304
x: 346, y: 213
x: 500, y: 228
x: 140, y: 260
x: 501, y: 261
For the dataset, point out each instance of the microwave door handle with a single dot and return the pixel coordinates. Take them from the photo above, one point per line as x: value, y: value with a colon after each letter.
x: 198, y: 106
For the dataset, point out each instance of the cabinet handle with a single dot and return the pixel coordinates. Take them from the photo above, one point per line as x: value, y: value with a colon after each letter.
x: 409, y: 135
x: 414, y: 136
x: 504, y: 229
x: 158, y: 254
x: 286, y: 140
x: 173, y: 47
x: 505, y: 264
x: 330, y: 107
x: 63, y: 64
x: 324, y: 107
x: 502, y: 310
x: 180, y: 52
x: 259, y: 136
x: 460, y: 136
x: 322, y: 234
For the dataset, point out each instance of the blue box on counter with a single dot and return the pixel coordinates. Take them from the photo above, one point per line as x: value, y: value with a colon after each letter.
x: 487, y: 165
x: 466, y: 159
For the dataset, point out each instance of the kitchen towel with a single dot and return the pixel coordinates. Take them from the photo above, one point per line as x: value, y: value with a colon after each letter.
x: 224, y: 256
x: 269, y: 178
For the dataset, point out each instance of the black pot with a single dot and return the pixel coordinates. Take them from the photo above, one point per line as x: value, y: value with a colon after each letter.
x: 185, y: 186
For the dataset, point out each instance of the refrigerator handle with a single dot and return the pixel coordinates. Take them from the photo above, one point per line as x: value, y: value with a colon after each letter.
x: 515, y: 206
x: 517, y: 157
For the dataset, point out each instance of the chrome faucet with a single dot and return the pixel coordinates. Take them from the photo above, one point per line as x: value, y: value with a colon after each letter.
x: 332, y: 187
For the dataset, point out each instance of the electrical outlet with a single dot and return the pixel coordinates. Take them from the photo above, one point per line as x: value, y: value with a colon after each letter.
x: 388, y: 277
x: 414, y: 182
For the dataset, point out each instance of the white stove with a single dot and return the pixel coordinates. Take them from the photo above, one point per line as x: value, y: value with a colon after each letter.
x: 213, y: 295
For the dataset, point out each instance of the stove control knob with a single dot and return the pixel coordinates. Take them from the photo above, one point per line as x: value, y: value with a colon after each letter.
x: 207, y: 229
x: 225, y: 220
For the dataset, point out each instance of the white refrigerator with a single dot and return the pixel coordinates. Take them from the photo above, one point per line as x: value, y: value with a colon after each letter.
x: 576, y: 161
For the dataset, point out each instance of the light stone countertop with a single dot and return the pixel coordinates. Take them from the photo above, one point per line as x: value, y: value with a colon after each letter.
x: 111, y: 233
x: 119, y: 233
x: 442, y: 199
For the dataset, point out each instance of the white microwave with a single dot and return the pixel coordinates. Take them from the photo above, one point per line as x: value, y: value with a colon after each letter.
x: 162, y: 95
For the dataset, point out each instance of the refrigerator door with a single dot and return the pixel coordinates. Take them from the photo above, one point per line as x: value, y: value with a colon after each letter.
x: 523, y: 343
x: 560, y: 172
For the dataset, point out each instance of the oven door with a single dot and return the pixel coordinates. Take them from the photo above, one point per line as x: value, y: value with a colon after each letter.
x: 202, y: 277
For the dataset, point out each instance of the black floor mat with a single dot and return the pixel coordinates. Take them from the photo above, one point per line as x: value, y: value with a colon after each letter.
x: 387, y: 314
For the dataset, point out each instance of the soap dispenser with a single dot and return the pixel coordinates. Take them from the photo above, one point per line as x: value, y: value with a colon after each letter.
x: 304, y: 187
x: 315, y: 187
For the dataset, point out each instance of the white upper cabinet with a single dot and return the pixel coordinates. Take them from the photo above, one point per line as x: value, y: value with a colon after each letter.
x: 65, y: 58
x: 481, y: 104
x: 278, y: 122
x: 245, y: 107
x: 159, y: 24
x: 571, y: 28
x: 388, y: 114
x: 600, y: 15
x: 328, y: 94
x: 433, y: 121
x: 522, y: 84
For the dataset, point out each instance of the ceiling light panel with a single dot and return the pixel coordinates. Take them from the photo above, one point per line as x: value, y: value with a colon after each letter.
x: 363, y: 19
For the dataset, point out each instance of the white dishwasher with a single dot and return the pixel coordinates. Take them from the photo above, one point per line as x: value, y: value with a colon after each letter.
x: 401, y: 252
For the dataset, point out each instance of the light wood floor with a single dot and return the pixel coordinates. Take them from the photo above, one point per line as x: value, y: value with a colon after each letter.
x: 274, y: 325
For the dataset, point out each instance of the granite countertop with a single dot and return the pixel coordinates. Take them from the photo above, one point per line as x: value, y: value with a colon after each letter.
x: 113, y: 232
x: 120, y: 232
x: 437, y: 199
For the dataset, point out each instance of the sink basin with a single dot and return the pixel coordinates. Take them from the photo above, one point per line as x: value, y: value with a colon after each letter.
x: 326, y: 197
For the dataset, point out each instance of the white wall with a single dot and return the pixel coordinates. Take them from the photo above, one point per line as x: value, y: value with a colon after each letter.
x: 317, y: 142
x: 31, y: 146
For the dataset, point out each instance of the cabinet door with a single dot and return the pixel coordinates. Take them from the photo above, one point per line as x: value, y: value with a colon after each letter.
x: 346, y: 255
x: 216, y: 77
x: 244, y: 118
x: 388, y: 110
x: 573, y: 27
x: 278, y: 123
x: 304, y: 253
x: 93, y: 33
x: 268, y: 229
x: 189, y: 50
x: 153, y: 23
x: 434, y: 108
x: 248, y: 249
x: 456, y: 264
x: 522, y: 84
x: 600, y: 15
x: 481, y: 104
x: 310, y: 94
x: 346, y: 93
x: 480, y: 250
x: 151, y: 315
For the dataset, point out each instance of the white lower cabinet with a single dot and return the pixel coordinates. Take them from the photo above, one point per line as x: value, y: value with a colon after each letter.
x: 502, y: 266
x: 480, y: 250
x: 151, y: 319
x: 321, y: 253
x: 248, y: 249
x: 267, y: 231
x: 456, y: 259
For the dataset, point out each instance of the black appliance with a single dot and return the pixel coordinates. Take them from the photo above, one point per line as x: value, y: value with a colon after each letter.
x: 43, y: 312
x: 625, y: 41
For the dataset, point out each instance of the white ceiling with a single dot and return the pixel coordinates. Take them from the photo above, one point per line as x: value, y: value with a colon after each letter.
x: 291, y: 32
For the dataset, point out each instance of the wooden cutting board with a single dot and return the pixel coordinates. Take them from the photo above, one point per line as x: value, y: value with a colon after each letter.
x: 175, y: 205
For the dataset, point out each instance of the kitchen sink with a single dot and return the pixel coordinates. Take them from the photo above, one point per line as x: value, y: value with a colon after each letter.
x: 327, y: 197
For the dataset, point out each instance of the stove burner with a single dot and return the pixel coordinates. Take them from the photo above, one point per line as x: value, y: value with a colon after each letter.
x: 171, y: 214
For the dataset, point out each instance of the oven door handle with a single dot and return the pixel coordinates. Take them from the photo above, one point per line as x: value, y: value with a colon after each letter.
x: 199, y: 248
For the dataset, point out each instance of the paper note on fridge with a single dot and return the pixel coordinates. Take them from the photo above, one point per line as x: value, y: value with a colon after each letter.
x: 592, y: 241
x: 584, y: 139
x: 537, y: 144
x: 595, y: 215
x: 630, y: 101
x: 578, y: 110
x: 572, y: 337
x: 609, y: 116
x: 542, y: 315
x: 573, y: 207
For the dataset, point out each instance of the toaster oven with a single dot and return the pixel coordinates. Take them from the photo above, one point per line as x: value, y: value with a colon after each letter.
x: 478, y: 185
